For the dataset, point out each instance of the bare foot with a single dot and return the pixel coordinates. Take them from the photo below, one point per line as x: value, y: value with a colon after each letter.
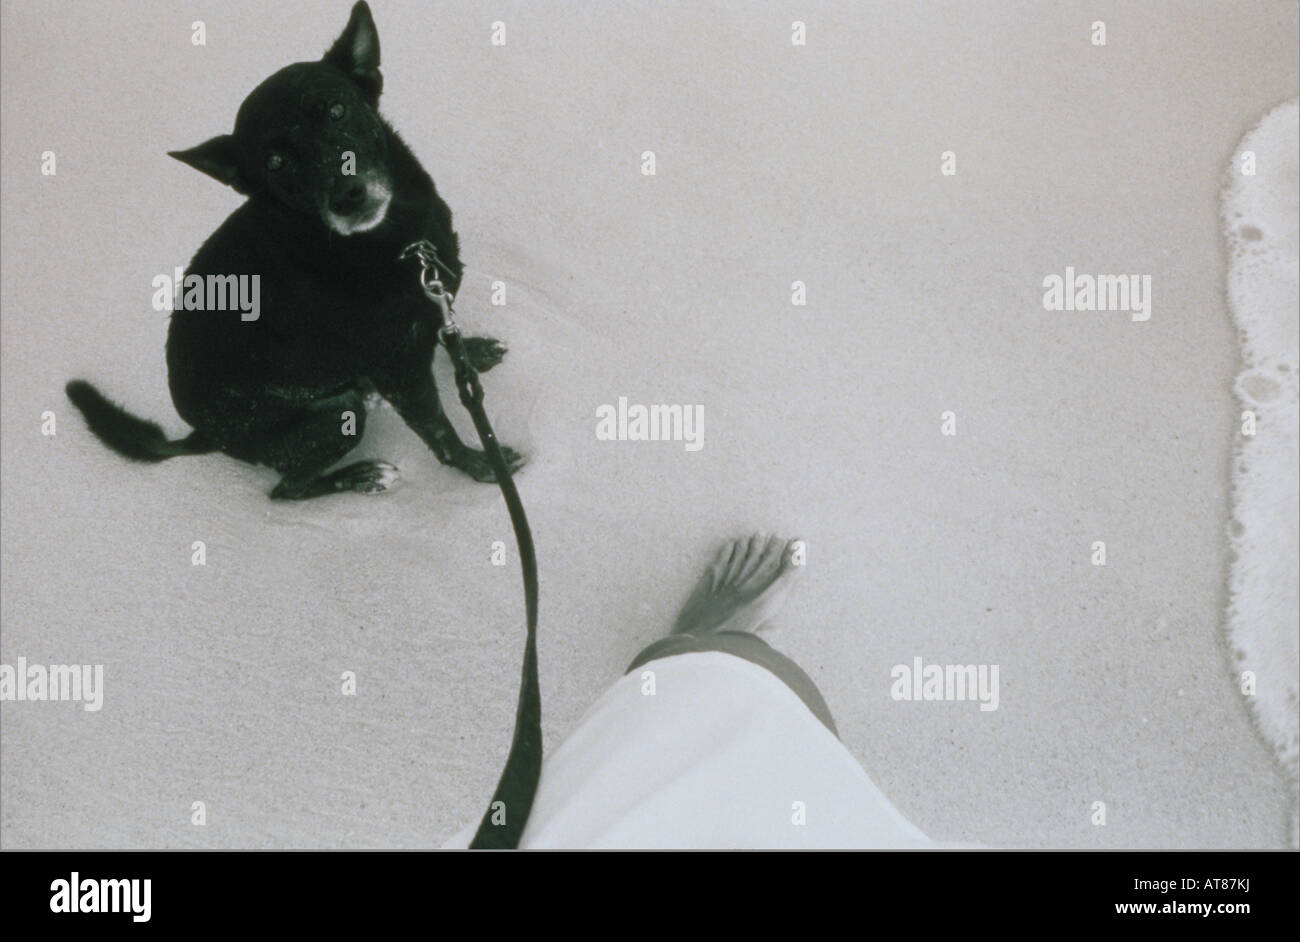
x: 742, y: 589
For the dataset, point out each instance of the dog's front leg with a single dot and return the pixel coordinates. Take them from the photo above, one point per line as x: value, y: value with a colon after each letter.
x: 417, y: 402
x: 484, y: 352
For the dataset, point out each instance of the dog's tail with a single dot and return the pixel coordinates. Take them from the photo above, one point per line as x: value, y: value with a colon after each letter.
x: 127, y: 435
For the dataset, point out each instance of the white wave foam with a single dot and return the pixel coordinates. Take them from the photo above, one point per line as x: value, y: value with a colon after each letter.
x: 1261, y: 216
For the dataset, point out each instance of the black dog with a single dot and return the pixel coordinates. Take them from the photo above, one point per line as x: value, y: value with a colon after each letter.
x: 334, y: 197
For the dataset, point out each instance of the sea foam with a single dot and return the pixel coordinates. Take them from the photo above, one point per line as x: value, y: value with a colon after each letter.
x: 1261, y: 217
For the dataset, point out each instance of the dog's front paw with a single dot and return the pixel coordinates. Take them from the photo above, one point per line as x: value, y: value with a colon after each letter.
x: 484, y: 352
x: 475, y: 463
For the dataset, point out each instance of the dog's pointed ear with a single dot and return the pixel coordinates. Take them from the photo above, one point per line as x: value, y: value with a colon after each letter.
x: 218, y: 158
x: 356, y: 51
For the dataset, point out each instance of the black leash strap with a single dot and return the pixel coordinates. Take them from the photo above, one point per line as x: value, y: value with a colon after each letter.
x: 503, y: 823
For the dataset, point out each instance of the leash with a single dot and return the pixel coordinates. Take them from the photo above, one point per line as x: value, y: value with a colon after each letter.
x: 503, y: 823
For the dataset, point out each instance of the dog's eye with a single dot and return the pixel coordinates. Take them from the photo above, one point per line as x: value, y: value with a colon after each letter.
x: 274, y: 162
x: 337, y: 111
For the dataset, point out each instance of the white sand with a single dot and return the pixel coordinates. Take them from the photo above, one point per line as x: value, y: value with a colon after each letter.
x: 775, y: 163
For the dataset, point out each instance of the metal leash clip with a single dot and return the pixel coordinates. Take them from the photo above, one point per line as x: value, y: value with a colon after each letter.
x: 431, y: 281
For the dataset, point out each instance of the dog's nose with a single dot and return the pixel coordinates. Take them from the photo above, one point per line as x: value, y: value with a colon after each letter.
x: 349, y: 201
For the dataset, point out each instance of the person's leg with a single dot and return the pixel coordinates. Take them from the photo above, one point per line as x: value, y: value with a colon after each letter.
x: 735, y: 598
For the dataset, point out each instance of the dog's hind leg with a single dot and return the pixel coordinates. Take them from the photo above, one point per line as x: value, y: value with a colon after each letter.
x: 303, y: 445
x: 364, y: 477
